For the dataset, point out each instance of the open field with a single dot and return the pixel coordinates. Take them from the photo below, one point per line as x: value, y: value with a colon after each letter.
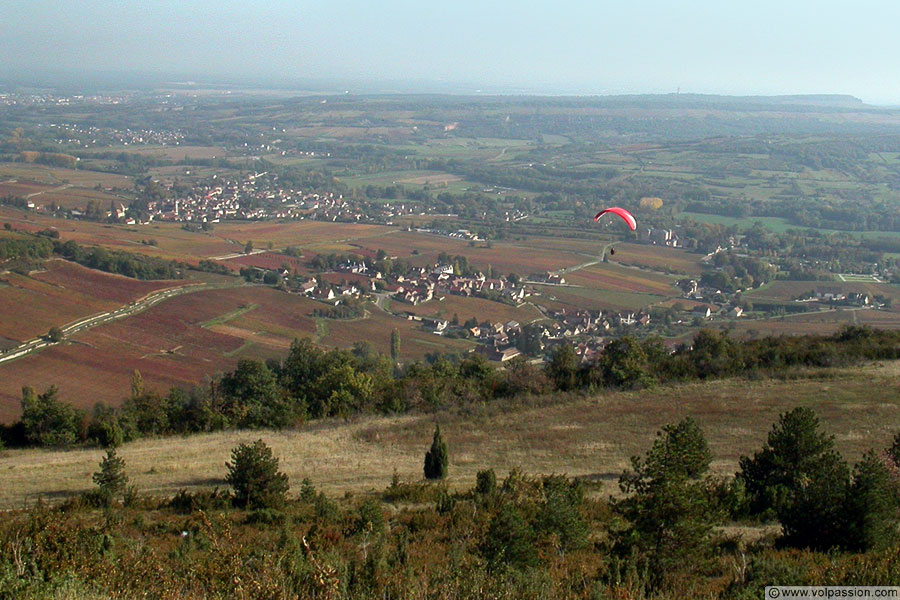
x: 605, y: 276
x: 415, y: 342
x: 520, y: 257
x: 788, y: 290
x: 296, y: 233
x: 172, y: 242
x: 166, y: 343
x: 265, y: 260
x: 591, y: 437
x: 659, y: 258
x: 57, y: 176
x: 466, y: 307
x: 65, y: 195
x: 823, y: 322
x: 596, y: 299
x: 175, y: 152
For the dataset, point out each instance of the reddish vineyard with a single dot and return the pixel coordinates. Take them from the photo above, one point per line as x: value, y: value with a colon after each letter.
x: 98, y: 284
x: 29, y: 306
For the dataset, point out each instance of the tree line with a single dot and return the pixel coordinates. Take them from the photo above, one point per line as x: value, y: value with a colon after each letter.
x: 311, y: 383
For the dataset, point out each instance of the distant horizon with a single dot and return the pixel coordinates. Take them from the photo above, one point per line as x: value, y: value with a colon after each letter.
x: 148, y: 81
x: 563, y: 47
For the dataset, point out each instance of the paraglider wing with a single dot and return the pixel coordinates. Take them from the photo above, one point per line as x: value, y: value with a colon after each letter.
x: 626, y: 216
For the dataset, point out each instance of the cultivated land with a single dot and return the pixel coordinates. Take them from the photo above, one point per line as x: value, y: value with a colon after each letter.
x: 586, y: 436
x: 185, y: 339
x: 62, y: 293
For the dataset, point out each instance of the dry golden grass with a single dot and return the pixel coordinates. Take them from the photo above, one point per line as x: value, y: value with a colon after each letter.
x: 591, y: 437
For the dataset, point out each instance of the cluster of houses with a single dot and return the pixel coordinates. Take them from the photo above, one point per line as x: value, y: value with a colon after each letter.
x: 86, y: 136
x: 834, y: 295
x: 254, y: 196
x: 497, y: 341
x: 661, y: 237
x: 714, y: 301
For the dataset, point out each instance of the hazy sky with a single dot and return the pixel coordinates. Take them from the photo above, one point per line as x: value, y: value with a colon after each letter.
x: 626, y: 46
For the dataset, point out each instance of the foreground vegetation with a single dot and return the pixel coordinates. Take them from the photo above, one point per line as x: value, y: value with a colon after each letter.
x: 522, y: 537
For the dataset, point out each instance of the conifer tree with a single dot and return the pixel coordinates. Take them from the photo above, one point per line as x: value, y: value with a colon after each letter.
x: 436, y: 459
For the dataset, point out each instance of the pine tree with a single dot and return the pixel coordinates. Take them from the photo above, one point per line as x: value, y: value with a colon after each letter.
x: 801, y: 478
x: 253, y: 473
x: 669, y: 512
x: 871, y: 508
x: 436, y: 459
x: 111, y: 478
x: 395, y: 345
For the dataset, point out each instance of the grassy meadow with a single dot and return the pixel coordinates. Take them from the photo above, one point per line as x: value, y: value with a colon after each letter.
x: 588, y: 436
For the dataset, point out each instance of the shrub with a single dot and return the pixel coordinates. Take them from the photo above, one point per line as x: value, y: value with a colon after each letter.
x: 369, y: 518
x: 265, y: 516
x: 510, y: 540
x: 186, y: 502
x: 486, y: 482
x: 436, y: 459
x: 559, y: 515
x: 253, y: 473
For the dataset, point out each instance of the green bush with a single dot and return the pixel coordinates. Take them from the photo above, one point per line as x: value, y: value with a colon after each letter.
x: 47, y: 421
x: 265, y: 516
x: 669, y: 513
x: 872, y: 506
x: 510, y: 540
x: 486, y: 483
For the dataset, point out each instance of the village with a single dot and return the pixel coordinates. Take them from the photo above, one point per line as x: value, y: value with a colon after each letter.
x: 259, y: 196
x: 589, y: 330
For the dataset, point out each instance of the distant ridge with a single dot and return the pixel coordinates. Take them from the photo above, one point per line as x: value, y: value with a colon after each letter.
x: 839, y: 100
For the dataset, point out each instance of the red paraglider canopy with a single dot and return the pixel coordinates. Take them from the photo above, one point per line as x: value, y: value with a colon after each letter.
x: 626, y: 216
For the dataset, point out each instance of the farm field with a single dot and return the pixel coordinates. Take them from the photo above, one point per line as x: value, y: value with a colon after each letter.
x: 265, y: 260
x: 182, y: 340
x: 166, y: 343
x: 66, y: 196
x: 175, y: 153
x: 520, y: 258
x: 824, y: 322
x: 605, y: 276
x: 64, y: 292
x: 596, y: 299
x: 788, y: 290
x: 296, y: 233
x: 172, y: 242
x: 78, y: 198
x: 584, y: 436
x: 57, y: 176
x: 467, y: 307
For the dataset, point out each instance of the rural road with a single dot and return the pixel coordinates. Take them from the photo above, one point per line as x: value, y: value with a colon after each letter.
x: 140, y: 305
x: 62, y: 187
